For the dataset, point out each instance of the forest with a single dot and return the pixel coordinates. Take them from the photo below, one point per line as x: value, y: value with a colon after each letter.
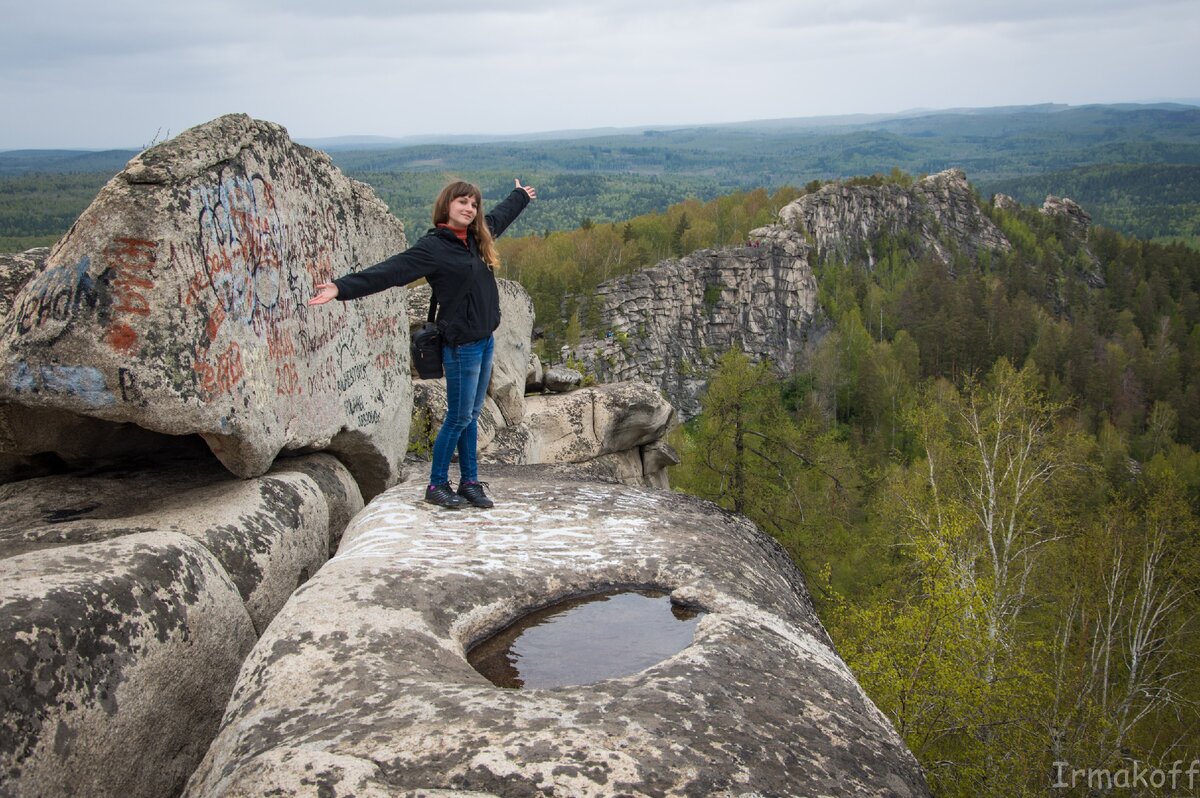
x: 989, y: 475
x: 1109, y: 158
x: 991, y: 482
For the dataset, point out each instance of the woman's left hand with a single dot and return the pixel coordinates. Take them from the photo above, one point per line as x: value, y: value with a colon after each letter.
x: 530, y: 190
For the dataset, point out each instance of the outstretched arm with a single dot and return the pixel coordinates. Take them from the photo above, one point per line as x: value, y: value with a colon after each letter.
x: 504, y: 214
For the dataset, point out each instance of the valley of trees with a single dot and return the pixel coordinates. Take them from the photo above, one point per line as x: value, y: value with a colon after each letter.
x: 1111, y: 159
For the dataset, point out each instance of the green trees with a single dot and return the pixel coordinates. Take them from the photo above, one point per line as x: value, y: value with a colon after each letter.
x: 991, y: 482
x: 948, y: 652
x: 747, y: 453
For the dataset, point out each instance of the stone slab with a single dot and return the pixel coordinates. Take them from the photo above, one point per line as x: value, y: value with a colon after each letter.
x: 116, y: 660
x: 362, y: 682
x: 269, y: 534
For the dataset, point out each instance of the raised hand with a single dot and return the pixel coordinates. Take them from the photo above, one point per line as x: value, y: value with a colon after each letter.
x: 530, y: 190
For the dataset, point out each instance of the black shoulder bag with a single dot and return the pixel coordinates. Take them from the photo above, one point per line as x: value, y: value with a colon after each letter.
x: 427, y: 345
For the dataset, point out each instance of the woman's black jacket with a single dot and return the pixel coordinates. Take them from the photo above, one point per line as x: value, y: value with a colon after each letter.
x: 468, y: 300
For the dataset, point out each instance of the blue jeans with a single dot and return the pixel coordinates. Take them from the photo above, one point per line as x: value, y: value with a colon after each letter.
x: 468, y: 370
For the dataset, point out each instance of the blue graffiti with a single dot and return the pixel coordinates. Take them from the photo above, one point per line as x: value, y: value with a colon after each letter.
x: 55, y: 294
x: 85, y: 383
x: 241, y: 243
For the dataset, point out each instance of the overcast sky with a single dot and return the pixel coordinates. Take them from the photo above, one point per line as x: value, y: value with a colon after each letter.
x: 118, y: 73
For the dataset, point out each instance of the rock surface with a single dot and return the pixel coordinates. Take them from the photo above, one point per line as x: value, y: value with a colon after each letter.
x: 361, y: 685
x: 176, y: 302
x: 672, y: 322
x: 116, y: 661
x: 590, y: 423
x: 129, y: 597
x: 534, y: 374
x: 15, y: 271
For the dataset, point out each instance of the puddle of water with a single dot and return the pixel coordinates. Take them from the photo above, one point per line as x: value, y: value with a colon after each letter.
x: 586, y: 639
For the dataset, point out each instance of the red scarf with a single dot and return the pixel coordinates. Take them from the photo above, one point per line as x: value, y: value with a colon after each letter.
x: 462, y: 234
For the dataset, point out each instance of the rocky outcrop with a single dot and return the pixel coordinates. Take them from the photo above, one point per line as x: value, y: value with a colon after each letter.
x: 1076, y: 220
x: 361, y: 685
x: 15, y: 271
x: 128, y: 598
x: 672, y: 322
x: 609, y: 423
x: 937, y: 217
x: 1075, y: 225
x: 116, y: 660
x: 176, y: 302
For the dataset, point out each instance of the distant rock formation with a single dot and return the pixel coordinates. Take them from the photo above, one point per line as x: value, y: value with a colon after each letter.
x: 1078, y: 221
x: 361, y: 684
x: 669, y: 324
x: 938, y: 217
x: 176, y: 302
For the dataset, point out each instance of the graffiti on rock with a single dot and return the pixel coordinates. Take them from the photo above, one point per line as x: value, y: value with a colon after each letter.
x: 130, y: 263
x: 55, y: 294
x: 50, y: 379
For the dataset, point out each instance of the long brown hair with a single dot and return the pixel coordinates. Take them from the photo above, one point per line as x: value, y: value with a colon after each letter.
x: 483, y: 236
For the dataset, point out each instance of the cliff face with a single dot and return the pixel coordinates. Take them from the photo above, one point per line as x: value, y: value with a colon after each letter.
x: 669, y: 324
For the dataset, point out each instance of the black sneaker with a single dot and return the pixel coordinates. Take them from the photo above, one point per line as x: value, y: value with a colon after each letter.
x: 473, y: 492
x: 443, y: 496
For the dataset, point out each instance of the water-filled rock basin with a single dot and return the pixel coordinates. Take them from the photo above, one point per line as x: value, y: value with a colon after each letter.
x: 586, y: 639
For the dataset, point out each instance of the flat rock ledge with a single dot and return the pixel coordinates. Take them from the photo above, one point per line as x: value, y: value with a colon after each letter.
x: 360, y: 686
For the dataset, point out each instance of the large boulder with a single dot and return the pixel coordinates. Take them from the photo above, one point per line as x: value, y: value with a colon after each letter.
x: 584, y: 424
x: 176, y: 302
x: 361, y: 685
x: 116, y: 661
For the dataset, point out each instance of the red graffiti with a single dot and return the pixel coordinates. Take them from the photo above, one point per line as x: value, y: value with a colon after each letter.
x: 380, y: 328
x: 279, y: 345
x: 287, y: 381
x: 122, y: 338
x: 130, y: 262
x: 225, y: 374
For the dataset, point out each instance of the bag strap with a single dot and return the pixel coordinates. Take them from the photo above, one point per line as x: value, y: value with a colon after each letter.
x: 432, y: 306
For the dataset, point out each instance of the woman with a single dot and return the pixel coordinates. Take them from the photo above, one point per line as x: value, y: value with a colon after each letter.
x: 458, y: 257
